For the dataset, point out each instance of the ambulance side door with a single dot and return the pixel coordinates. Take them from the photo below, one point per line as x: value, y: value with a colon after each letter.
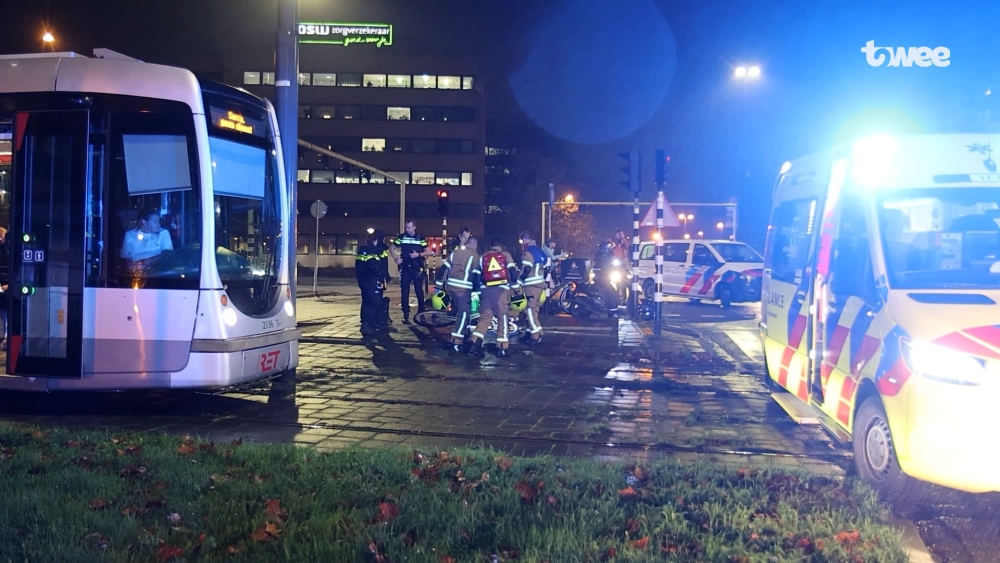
x: 787, y: 272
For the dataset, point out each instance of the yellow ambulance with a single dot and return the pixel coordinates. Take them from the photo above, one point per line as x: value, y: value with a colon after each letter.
x: 880, y: 314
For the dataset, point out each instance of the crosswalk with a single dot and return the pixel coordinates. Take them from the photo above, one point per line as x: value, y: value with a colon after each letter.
x: 748, y: 342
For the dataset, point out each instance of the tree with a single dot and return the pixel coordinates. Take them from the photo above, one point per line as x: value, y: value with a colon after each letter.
x: 575, y: 230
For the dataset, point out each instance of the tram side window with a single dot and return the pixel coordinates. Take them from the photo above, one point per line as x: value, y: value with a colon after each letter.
x: 793, y: 224
x: 154, y: 224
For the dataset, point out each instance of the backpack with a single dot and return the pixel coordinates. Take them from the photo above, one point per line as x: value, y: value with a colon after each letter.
x: 538, y: 256
x: 494, y: 269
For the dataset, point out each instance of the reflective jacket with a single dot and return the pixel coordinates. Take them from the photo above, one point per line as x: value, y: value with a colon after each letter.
x: 462, y: 265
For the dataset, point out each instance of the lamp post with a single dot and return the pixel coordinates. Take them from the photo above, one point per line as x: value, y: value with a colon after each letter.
x: 746, y: 74
x: 48, y: 39
x: 687, y: 236
x: 720, y: 225
x: 568, y: 198
x: 686, y: 218
x: 701, y: 234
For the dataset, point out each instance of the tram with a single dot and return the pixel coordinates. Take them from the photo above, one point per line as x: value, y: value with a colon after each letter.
x: 147, y: 226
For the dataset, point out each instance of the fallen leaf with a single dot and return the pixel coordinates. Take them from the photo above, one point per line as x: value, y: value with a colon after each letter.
x: 185, y: 449
x: 168, y: 552
x: 640, y: 544
x: 98, y: 504
x: 627, y: 492
x: 446, y: 559
x: 526, y: 491
x: 118, y: 440
x: 6, y: 453
x: 201, y: 538
x: 848, y: 537
x: 261, y: 535
x: 504, y: 463
x: 387, y: 512
x: 232, y: 550
x: 73, y: 444
x: 639, y: 473
x: 38, y: 434
x: 410, y: 538
x: 237, y: 442
x: 552, y: 500
x: 160, y: 486
x: 120, y: 452
x: 611, y: 553
x: 820, y: 544
x: 272, y: 529
x: 133, y: 450
x: 273, y: 507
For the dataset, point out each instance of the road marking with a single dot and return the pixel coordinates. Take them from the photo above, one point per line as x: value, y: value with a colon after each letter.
x: 748, y: 342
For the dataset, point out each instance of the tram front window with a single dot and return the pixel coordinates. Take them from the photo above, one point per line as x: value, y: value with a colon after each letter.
x: 247, y: 202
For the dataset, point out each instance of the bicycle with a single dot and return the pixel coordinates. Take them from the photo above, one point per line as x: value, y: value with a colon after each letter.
x: 442, y: 317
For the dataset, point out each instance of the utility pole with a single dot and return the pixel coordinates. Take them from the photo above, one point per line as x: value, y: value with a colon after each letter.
x: 286, y: 82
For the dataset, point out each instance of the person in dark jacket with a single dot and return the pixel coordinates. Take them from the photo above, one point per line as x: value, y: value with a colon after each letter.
x: 368, y: 269
x: 384, y: 320
x: 4, y: 281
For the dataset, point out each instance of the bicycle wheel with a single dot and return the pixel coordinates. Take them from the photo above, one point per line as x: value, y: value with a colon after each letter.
x: 434, y: 319
x: 566, y: 293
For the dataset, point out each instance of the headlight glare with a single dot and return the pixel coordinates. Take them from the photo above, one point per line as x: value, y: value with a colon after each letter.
x: 943, y: 364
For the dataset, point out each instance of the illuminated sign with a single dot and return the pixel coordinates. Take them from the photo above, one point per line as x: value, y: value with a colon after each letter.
x: 345, y: 34
x: 234, y: 122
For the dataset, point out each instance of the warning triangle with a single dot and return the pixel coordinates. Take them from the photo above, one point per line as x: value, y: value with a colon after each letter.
x: 494, y: 265
x: 669, y: 218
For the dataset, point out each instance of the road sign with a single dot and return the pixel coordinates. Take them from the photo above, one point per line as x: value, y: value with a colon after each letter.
x: 730, y: 215
x: 318, y: 209
x: 669, y: 218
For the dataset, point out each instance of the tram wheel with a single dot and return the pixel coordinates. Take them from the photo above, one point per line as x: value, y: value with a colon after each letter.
x: 434, y: 319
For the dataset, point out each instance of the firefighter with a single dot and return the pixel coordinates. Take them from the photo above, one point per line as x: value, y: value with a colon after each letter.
x: 533, y: 264
x: 383, y: 259
x: 496, y: 268
x: 410, y: 249
x: 368, y: 270
x: 458, y: 276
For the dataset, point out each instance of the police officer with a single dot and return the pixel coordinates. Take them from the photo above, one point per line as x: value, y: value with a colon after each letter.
x: 533, y: 264
x: 496, y: 268
x: 410, y: 250
x: 368, y: 269
x: 458, y: 276
x: 384, y: 320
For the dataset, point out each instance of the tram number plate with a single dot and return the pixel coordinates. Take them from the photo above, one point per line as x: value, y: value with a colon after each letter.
x: 269, y: 324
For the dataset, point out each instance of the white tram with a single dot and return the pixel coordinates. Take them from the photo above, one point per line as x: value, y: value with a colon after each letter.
x: 148, y: 227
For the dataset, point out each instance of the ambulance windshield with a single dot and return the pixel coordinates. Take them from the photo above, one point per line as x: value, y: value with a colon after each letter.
x: 941, y: 238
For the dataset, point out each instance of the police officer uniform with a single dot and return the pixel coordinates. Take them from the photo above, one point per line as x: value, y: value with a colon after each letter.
x: 496, y: 268
x: 411, y: 271
x: 458, y: 276
x: 368, y: 269
x: 382, y: 249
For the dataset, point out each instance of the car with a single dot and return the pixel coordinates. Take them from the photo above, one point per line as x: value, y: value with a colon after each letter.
x: 726, y: 271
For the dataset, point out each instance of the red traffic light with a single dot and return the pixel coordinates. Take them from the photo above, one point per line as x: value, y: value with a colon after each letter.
x: 442, y: 193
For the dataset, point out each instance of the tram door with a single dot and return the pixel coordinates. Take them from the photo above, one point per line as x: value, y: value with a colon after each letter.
x: 46, y: 242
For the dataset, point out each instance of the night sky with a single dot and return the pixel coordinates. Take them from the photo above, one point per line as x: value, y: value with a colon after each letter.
x: 603, y: 76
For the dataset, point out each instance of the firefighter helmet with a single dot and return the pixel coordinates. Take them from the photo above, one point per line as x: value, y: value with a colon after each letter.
x: 543, y: 297
x: 518, y: 301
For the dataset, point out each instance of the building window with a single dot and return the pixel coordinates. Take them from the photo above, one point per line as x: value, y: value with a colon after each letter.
x: 425, y: 81
x: 373, y: 113
x: 448, y: 178
x: 324, y: 112
x: 449, y: 82
x: 371, y: 178
x: 375, y: 80
x: 321, y: 176
x: 348, y: 177
x: 305, y: 112
x: 251, y: 78
x: 423, y: 145
x: 399, y: 145
x: 422, y: 178
x: 350, y: 112
x: 267, y: 78
x: 324, y: 79
x: 349, y: 79
x: 373, y: 145
x: 459, y: 115
x: 466, y: 178
x: 425, y: 114
x: 347, y: 244
x: 467, y: 83
x: 303, y: 79
x: 405, y: 176
x: 303, y: 176
x: 399, y: 81
x: 399, y: 114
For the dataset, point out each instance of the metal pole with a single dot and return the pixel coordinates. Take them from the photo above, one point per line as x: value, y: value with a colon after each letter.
x: 544, y: 206
x: 658, y: 298
x: 735, y: 211
x: 286, y: 82
x: 402, y: 207
x: 316, y: 263
x: 444, y: 239
x: 634, y: 299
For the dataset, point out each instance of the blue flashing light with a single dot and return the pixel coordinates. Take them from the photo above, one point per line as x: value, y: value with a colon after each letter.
x: 872, y: 160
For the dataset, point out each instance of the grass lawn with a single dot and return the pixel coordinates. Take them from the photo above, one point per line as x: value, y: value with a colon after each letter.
x: 106, y: 496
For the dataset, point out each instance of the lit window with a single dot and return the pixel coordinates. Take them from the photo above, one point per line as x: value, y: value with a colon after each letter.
x: 399, y: 81
x: 324, y: 112
x: 345, y: 177
x: 405, y: 176
x: 373, y: 145
x: 402, y: 114
x: 447, y: 179
x: 303, y: 176
x: 303, y: 79
x: 349, y: 79
x: 375, y: 80
x: 449, y: 82
x: 466, y: 178
x: 422, y: 178
x: 371, y: 178
x: 424, y: 81
x: 268, y: 78
x: 467, y: 83
x: 324, y: 79
x: 321, y: 176
x: 251, y: 78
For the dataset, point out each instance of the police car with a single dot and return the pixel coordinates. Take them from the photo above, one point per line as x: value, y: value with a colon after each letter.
x: 727, y: 271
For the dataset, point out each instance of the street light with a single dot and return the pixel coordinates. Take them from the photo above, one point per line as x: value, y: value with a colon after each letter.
x: 568, y: 198
x: 745, y: 73
x: 701, y: 234
x: 720, y: 225
x: 48, y: 38
x: 686, y: 218
x: 687, y: 236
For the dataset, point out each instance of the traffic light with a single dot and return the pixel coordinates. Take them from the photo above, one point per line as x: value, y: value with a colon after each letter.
x: 631, y: 170
x: 443, y: 203
x: 662, y: 167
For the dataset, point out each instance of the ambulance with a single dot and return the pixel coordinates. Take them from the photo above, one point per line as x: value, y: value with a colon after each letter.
x: 881, y: 305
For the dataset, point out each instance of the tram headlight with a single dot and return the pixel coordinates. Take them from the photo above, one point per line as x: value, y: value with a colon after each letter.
x: 229, y: 317
x: 289, y: 309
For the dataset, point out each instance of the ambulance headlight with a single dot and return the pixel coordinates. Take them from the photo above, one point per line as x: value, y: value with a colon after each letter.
x: 616, y: 277
x: 872, y: 160
x: 943, y: 364
x: 616, y: 262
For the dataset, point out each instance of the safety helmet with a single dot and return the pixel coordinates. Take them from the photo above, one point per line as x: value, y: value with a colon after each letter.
x: 518, y: 301
x: 440, y: 300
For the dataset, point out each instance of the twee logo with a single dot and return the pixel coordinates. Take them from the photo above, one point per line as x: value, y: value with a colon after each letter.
x: 901, y: 56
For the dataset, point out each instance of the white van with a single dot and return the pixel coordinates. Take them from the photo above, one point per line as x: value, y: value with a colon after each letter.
x: 727, y: 271
x: 881, y: 305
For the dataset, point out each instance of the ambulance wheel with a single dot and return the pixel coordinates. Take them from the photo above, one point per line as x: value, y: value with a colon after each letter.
x: 648, y: 289
x: 874, y: 454
x: 725, y: 295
